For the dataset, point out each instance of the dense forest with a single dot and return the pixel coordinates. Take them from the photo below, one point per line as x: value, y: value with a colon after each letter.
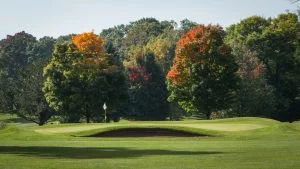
x: 155, y: 70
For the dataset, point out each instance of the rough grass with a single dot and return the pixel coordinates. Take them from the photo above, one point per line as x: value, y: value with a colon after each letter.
x: 272, y: 145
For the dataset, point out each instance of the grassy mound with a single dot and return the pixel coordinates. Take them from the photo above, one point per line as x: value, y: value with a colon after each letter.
x: 209, y: 127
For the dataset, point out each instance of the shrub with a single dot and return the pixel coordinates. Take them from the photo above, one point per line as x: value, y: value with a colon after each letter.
x: 2, y: 125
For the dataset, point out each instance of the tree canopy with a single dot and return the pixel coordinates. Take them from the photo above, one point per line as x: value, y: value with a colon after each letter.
x: 274, y: 43
x: 203, y: 73
x: 80, y: 79
x: 155, y: 70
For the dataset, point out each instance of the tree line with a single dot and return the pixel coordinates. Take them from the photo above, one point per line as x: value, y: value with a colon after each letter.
x: 154, y: 70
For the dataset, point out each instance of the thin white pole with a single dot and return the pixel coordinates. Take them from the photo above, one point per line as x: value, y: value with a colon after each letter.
x: 105, y: 116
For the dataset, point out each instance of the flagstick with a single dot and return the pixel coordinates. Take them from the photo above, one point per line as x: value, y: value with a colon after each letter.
x: 104, y: 107
x: 105, y: 115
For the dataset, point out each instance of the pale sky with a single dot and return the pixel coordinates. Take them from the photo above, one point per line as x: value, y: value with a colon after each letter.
x: 60, y: 17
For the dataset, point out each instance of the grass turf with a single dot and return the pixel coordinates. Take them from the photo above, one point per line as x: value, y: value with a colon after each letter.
x: 242, y: 143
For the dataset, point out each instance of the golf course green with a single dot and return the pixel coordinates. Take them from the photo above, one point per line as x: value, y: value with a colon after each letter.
x: 241, y: 143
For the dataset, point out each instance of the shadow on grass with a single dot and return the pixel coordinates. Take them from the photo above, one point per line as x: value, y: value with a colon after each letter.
x: 93, y: 152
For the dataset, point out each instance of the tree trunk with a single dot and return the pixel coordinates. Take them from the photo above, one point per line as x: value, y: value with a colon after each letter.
x: 87, y: 114
x: 87, y: 118
x: 207, y: 116
x: 208, y: 112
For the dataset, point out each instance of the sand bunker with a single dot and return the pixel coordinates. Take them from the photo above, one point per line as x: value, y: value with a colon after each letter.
x: 146, y: 132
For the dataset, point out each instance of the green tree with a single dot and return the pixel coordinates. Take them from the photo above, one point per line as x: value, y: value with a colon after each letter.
x: 186, y: 25
x: 238, y: 34
x: 24, y: 59
x: 30, y: 101
x: 254, y: 96
x: 276, y: 47
x: 148, y: 90
x: 13, y: 59
x: 64, y: 38
x: 163, y: 48
x: 139, y: 34
x: 114, y: 42
x: 132, y: 45
x: 79, y: 81
x: 202, y: 77
x: 273, y: 43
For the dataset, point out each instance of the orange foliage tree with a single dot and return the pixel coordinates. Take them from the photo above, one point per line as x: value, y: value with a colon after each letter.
x: 89, y: 42
x: 203, y: 72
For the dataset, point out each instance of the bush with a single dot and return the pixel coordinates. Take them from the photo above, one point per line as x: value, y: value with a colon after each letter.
x: 2, y: 125
x: 218, y: 115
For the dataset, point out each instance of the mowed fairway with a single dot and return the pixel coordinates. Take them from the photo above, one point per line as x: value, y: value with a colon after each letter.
x: 232, y: 143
